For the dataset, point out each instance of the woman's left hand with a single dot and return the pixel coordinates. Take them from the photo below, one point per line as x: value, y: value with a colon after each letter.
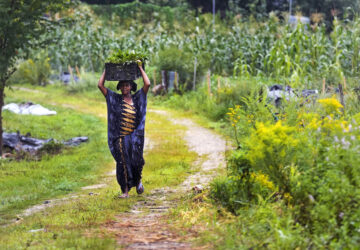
x: 139, y: 63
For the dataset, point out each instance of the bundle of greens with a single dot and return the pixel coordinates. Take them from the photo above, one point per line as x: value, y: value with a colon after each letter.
x: 126, y: 57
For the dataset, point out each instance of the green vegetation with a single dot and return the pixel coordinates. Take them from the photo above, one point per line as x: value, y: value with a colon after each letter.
x: 34, y: 71
x: 289, y: 181
x: 20, y: 30
x: 126, y: 57
x: 307, y: 160
x: 301, y: 56
x: 292, y: 177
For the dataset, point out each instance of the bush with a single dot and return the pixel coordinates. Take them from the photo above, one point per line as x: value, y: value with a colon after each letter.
x: 309, y: 159
x: 172, y: 58
x: 242, y: 185
x: 34, y: 71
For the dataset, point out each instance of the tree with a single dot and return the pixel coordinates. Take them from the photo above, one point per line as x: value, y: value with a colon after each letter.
x: 22, y: 22
x: 329, y: 8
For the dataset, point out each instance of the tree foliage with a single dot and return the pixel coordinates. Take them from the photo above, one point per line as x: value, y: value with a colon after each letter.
x: 259, y: 8
x: 22, y: 22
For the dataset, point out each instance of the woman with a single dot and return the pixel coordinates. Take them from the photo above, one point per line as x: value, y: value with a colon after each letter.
x: 126, y: 123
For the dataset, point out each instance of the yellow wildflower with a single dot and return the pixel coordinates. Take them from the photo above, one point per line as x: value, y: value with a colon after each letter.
x: 331, y: 105
x: 263, y: 180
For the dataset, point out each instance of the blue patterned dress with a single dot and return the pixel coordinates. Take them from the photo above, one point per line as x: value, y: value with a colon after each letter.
x: 126, y: 124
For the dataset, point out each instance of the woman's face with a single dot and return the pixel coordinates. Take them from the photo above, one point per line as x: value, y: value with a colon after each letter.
x: 125, y: 88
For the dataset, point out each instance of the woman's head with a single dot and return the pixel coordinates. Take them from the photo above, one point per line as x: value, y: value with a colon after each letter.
x: 126, y: 85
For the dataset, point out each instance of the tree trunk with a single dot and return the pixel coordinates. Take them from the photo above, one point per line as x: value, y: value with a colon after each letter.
x: 2, y: 86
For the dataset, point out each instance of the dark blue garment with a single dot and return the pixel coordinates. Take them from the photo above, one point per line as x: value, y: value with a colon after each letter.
x: 127, y: 150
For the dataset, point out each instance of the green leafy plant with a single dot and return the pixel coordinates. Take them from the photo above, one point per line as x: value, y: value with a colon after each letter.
x: 126, y: 57
x: 34, y: 71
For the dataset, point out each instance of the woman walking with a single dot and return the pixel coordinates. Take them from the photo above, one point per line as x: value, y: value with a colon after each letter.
x: 126, y: 123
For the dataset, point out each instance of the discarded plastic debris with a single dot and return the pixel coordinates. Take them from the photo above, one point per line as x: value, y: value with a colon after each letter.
x: 28, y: 108
x: 18, y: 142
x: 278, y: 92
x: 22, y: 143
x: 76, y: 141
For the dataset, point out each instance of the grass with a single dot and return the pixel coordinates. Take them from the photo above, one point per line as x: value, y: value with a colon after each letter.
x: 262, y: 225
x: 79, y: 222
x: 168, y: 162
x: 30, y: 181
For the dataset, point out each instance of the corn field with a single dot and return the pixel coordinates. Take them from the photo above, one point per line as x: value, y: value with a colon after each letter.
x: 297, y: 55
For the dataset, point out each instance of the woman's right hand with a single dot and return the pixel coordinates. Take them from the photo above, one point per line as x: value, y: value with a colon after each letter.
x: 101, y: 84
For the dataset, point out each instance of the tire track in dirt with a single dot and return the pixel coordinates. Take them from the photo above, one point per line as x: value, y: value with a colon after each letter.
x: 145, y: 226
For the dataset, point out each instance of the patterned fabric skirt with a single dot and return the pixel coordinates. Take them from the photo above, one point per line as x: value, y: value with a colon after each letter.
x: 128, y: 174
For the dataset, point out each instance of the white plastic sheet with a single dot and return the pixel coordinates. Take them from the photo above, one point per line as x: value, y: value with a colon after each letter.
x: 28, y: 109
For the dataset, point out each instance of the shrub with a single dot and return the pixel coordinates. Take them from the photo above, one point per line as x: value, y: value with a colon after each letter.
x: 242, y: 185
x: 34, y: 71
x: 243, y: 92
x: 308, y: 159
x: 174, y: 59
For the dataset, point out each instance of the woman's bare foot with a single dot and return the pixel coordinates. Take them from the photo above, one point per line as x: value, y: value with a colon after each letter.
x: 124, y: 196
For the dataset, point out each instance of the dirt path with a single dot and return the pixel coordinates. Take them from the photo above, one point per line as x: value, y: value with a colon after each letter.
x: 145, y: 226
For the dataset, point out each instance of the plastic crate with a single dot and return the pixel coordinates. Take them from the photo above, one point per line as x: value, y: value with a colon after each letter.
x: 118, y: 72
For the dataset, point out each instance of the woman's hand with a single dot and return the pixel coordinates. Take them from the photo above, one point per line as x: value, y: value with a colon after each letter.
x: 139, y: 63
x: 144, y: 76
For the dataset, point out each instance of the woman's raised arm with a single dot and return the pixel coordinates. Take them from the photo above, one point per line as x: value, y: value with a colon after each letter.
x: 101, y: 84
x: 144, y: 76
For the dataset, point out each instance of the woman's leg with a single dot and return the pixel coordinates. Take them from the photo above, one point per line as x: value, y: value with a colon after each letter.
x: 120, y: 177
x: 121, y: 169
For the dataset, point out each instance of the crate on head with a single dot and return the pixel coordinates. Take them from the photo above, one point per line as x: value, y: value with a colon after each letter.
x: 118, y: 72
